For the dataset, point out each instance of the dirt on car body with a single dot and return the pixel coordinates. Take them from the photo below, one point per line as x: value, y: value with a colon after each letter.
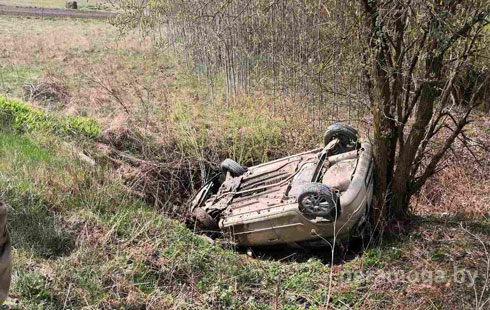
x: 301, y: 200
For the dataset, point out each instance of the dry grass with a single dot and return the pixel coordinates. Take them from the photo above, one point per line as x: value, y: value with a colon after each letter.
x: 59, y: 4
x: 112, y: 77
x: 463, y: 188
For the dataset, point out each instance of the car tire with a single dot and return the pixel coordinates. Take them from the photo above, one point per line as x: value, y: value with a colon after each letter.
x: 318, y: 200
x: 202, y: 220
x: 346, y: 134
x: 233, y: 167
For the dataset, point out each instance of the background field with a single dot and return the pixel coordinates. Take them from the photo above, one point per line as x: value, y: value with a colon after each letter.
x: 58, y: 4
x: 39, y: 3
x: 97, y: 236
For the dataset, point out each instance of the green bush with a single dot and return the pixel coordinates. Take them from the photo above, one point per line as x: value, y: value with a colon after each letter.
x: 32, y: 285
x: 26, y: 119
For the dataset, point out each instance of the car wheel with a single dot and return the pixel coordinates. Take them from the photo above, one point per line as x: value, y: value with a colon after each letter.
x: 233, y: 167
x: 346, y: 134
x: 317, y: 200
x: 203, y: 220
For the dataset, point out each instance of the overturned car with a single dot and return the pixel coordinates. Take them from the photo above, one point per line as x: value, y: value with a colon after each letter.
x: 307, y: 199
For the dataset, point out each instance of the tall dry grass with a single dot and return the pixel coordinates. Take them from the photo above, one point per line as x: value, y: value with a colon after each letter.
x: 463, y: 187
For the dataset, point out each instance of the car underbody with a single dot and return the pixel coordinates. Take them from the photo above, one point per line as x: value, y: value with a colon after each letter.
x: 307, y: 199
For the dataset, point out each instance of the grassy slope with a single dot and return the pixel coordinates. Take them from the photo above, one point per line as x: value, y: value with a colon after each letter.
x: 81, y: 240
x: 75, y: 227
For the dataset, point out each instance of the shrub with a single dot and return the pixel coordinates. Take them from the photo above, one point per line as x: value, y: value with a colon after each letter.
x: 24, y: 118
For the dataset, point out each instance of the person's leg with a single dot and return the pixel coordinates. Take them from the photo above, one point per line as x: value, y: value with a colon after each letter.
x: 5, y: 255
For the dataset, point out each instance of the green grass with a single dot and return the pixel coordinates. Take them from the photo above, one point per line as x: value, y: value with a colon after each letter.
x: 247, y: 135
x: 13, y: 144
x: 25, y: 118
x: 13, y: 78
x: 38, y: 3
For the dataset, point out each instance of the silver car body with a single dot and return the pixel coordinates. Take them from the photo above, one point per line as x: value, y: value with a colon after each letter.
x: 260, y: 207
